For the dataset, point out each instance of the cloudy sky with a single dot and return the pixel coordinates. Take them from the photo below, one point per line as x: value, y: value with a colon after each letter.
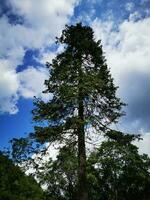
x: 27, y: 40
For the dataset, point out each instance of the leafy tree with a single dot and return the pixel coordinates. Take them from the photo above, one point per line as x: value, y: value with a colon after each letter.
x: 15, y: 185
x: 116, y: 171
x: 60, y: 175
x: 83, y: 96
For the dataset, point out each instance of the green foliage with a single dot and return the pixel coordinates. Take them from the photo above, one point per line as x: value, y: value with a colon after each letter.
x: 118, y: 172
x: 83, y: 95
x: 60, y: 175
x: 15, y: 185
x: 78, y: 73
x: 115, y: 171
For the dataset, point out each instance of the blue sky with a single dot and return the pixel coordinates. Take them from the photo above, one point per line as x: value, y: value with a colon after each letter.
x: 27, y: 35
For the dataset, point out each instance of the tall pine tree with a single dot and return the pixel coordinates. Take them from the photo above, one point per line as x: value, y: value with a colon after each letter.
x: 84, y: 96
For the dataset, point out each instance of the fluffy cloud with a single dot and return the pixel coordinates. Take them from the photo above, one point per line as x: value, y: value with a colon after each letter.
x: 34, y: 10
x: 41, y: 21
x: 32, y: 82
x: 45, y: 18
x: 47, y: 56
x: 128, y: 56
x: 8, y: 87
x: 144, y: 144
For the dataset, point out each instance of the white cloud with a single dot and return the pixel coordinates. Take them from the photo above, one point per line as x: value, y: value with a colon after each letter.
x: 132, y: 52
x: 32, y: 82
x: 135, y: 16
x: 125, y: 46
x: 47, y: 56
x: 46, y: 16
x: 102, y: 30
x: 42, y: 21
x: 9, y: 104
x: 144, y: 144
x: 8, y: 87
x: 128, y: 56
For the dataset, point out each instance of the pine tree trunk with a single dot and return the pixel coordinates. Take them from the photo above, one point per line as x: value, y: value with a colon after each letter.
x: 82, y: 179
x: 82, y: 165
x: 83, y: 194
